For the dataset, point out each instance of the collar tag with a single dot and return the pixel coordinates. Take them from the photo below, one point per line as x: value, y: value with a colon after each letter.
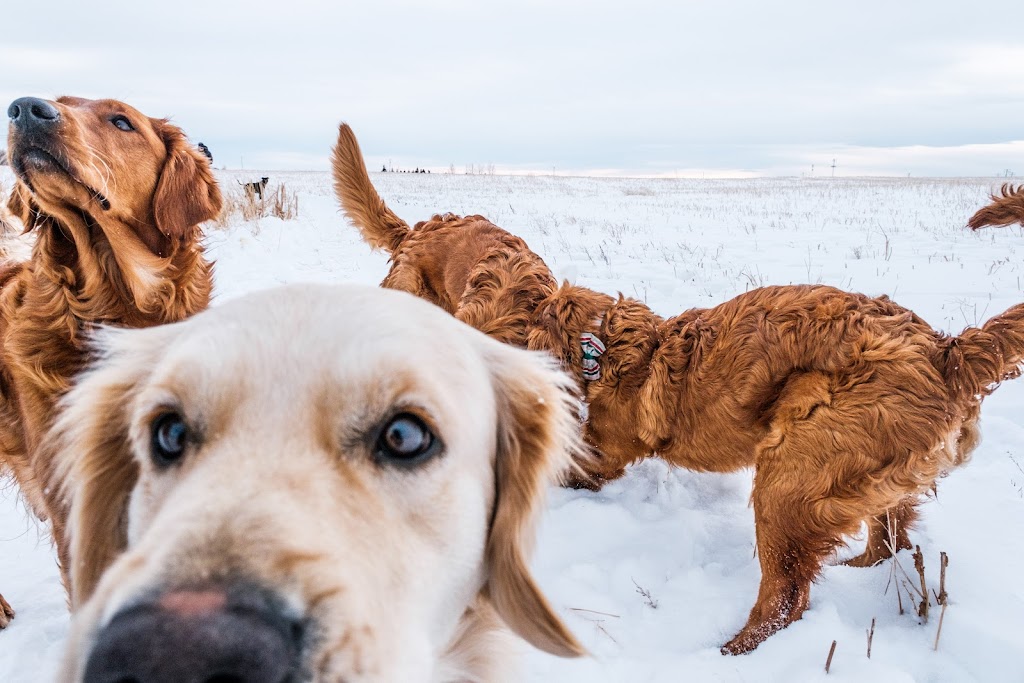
x: 592, y: 348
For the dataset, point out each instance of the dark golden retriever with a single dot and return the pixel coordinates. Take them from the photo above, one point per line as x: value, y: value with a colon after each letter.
x: 114, y: 198
x: 848, y: 407
x: 291, y: 494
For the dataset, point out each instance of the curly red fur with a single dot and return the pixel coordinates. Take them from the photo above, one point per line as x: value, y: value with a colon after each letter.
x: 848, y: 407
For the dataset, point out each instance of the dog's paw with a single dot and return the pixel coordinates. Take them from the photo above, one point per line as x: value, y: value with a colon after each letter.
x: 743, y: 643
x: 866, y: 559
x: 6, y: 612
x: 582, y: 480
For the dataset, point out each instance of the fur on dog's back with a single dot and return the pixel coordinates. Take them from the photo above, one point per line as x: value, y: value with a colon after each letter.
x: 380, y: 226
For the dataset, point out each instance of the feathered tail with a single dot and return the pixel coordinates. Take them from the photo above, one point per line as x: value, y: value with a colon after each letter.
x: 378, y: 224
x: 982, y: 357
x: 1006, y: 208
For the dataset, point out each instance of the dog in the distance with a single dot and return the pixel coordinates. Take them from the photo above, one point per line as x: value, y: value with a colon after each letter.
x: 1007, y: 207
x: 114, y: 198
x: 478, y: 272
x: 286, y: 490
x: 848, y: 407
x: 256, y: 189
x: 206, y: 151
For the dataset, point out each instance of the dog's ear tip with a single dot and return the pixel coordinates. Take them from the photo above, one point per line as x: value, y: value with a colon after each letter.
x: 178, y: 209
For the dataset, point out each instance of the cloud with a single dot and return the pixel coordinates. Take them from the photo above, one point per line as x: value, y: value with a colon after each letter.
x: 652, y: 88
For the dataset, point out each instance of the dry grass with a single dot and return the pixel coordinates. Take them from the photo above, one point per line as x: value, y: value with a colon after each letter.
x: 277, y: 202
x: 831, y: 652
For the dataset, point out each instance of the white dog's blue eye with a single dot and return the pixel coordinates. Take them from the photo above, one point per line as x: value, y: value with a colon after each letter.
x: 170, y: 438
x: 405, y: 438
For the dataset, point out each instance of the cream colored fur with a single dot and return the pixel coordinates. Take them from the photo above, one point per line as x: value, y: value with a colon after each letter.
x: 408, y: 573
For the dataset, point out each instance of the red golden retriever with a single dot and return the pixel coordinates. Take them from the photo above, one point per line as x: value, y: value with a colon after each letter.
x: 114, y: 198
x: 848, y: 407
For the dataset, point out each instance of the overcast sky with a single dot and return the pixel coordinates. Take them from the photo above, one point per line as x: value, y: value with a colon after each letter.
x: 624, y: 87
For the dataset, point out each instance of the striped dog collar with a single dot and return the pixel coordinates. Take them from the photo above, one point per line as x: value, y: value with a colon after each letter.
x: 592, y: 348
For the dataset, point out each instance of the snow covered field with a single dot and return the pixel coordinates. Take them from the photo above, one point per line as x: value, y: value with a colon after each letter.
x: 656, y: 571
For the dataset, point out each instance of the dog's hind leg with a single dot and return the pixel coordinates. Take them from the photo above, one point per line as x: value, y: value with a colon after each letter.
x: 811, y: 486
x: 793, y: 539
x: 887, y: 533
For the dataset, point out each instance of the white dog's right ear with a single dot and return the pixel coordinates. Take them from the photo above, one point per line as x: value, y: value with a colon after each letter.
x: 538, y: 438
x: 89, y: 442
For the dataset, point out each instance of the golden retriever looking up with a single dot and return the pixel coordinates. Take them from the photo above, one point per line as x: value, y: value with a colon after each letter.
x: 114, y: 198
x: 314, y: 483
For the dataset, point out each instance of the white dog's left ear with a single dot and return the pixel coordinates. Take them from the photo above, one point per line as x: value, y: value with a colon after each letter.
x: 538, y: 437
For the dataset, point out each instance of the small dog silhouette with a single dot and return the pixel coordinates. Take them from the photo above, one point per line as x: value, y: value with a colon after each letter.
x: 256, y: 188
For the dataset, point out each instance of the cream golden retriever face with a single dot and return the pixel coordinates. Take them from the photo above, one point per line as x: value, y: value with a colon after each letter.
x: 309, y: 484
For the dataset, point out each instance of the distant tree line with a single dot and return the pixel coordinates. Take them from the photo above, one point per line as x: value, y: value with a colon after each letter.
x: 385, y: 169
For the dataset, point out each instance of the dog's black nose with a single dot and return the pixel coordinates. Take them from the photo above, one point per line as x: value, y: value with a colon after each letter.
x: 200, y: 636
x: 32, y: 111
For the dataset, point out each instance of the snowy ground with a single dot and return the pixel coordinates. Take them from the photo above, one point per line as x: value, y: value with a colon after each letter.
x: 686, y: 540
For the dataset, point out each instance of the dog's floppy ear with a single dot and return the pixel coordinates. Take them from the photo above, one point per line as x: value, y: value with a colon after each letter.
x: 186, y: 193
x: 89, y: 441
x: 538, y: 437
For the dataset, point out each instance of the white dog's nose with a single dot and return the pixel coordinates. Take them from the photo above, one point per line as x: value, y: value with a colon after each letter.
x: 208, y: 635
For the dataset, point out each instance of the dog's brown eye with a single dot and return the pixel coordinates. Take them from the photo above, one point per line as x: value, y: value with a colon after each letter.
x: 406, y: 438
x: 170, y: 437
x: 123, y: 123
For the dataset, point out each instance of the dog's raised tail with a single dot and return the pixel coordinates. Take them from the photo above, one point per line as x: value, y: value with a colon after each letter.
x: 1007, y: 207
x: 982, y: 357
x: 378, y: 224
